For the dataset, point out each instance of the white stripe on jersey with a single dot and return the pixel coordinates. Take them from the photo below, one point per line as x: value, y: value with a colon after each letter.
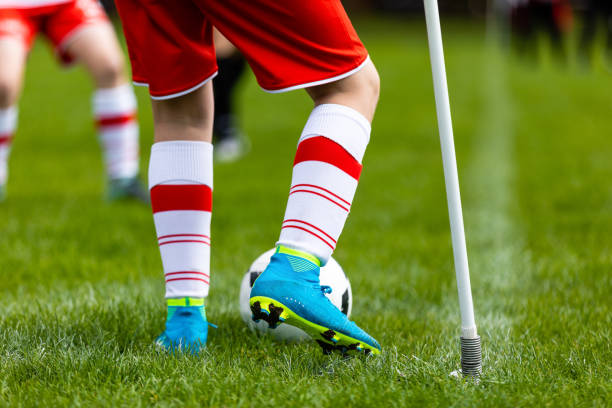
x: 25, y: 4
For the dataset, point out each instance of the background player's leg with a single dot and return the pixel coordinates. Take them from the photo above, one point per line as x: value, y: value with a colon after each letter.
x: 114, y: 105
x: 606, y: 11
x: 328, y: 162
x: 180, y: 180
x: 12, y: 60
x: 230, y: 142
x: 589, y: 29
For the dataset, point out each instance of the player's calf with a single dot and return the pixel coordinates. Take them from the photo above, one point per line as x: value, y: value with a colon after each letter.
x: 8, y: 123
x: 12, y: 59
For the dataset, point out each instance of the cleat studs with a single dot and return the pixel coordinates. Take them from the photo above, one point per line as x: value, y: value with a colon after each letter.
x: 329, y: 335
x: 258, y: 312
x: 327, y: 348
x: 354, y: 346
x: 256, y: 308
x: 271, y: 314
x: 275, y: 312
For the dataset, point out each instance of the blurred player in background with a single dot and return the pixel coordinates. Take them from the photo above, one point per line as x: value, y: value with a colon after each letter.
x: 79, y: 32
x: 230, y: 142
x: 529, y: 17
x: 596, y: 11
x: 290, y: 45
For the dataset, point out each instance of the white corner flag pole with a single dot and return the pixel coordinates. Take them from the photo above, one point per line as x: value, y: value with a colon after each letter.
x: 471, y: 356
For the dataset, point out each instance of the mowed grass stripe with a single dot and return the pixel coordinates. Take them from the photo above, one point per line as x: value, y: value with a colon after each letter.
x: 500, y: 261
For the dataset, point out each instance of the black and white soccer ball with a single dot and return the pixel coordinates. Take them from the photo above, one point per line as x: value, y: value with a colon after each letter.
x: 331, y: 275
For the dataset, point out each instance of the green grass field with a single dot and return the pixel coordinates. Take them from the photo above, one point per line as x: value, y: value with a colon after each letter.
x: 81, y: 288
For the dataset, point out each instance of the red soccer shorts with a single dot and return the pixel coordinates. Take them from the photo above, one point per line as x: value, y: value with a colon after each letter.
x: 61, y: 23
x: 289, y: 44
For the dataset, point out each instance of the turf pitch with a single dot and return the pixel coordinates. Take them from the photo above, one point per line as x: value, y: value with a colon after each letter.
x: 81, y: 285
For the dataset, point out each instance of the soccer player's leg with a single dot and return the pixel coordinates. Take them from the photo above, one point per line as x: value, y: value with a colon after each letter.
x: 93, y: 43
x: 180, y: 179
x: 325, y: 175
x: 311, y: 45
x: 13, y: 54
x: 181, y: 164
x: 230, y: 141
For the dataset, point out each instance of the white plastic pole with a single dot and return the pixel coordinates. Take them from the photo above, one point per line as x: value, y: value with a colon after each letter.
x: 470, y: 342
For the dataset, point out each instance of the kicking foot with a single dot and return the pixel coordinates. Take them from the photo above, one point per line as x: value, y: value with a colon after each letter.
x: 289, y: 291
x: 186, y: 326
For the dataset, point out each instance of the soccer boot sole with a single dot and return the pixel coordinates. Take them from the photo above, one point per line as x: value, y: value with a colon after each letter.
x: 275, y: 313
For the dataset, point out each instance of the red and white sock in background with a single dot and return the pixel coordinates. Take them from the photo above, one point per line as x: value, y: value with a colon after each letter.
x: 325, y: 174
x: 180, y: 180
x: 115, y: 114
x: 8, y: 124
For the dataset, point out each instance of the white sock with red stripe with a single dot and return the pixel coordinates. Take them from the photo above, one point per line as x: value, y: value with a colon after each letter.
x: 8, y: 123
x: 115, y: 113
x: 325, y: 174
x: 180, y: 180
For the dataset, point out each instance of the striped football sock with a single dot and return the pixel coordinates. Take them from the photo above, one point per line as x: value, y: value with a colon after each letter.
x: 325, y: 174
x: 180, y: 180
x: 115, y: 114
x: 8, y: 123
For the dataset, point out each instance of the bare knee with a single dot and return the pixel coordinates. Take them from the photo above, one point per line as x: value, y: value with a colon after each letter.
x: 359, y: 91
x: 370, y: 86
x: 12, y: 55
x: 109, y: 72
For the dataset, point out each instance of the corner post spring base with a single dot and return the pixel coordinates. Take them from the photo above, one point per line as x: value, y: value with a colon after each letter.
x: 471, y: 356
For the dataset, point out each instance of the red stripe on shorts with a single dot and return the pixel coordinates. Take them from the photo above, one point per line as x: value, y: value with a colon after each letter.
x: 326, y: 150
x: 170, y: 197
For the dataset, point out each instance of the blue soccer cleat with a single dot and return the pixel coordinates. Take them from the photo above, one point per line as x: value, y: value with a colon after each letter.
x: 289, y: 291
x: 186, y: 326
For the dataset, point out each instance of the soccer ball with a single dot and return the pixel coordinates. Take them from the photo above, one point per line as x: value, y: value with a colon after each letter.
x: 331, y: 275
